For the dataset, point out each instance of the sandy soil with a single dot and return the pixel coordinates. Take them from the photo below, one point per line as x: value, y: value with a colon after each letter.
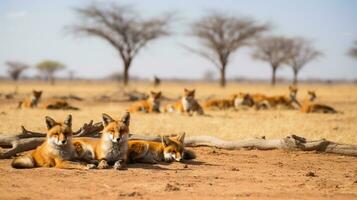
x: 216, y: 174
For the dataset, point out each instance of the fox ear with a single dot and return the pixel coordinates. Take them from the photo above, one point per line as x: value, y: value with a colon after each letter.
x: 50, y: 122
x: 181, y: 137
x: 158, y: 95
x: 106, y: 119
x: 68, y: 121
x: 126, y: 118
x: 165, y: 141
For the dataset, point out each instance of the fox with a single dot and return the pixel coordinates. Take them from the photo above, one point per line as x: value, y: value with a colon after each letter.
x: 309, y: 106
x: 56, y: 104
x: 261, y: 101
x: 187, y: 104
x: 31, y: 101
x: 220, y: 104
x: 111, y: 148
x: 170, y: 149
x: 56, y: 151
x: 151, y: 105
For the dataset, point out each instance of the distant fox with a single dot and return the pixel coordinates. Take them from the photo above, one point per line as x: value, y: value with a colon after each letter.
x: 34, y: 101
x: 261, y: 101
x: 187, y: 104
x: 170, y: 149
x: 57, y: 150
x: 112, y: 146
x: 309, y: 106
x: 220, y: 103
x: 150, y: 105
x: 31, y: 101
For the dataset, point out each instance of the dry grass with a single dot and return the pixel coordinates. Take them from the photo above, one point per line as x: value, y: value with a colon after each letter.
x: 230, y: 125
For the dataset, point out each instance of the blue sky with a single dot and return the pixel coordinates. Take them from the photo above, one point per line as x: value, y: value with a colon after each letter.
x: 33, y: 30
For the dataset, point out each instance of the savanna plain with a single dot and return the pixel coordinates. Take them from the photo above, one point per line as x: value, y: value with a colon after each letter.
x: 215, y: 173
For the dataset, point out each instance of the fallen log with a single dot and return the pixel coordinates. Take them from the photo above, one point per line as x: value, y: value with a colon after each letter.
x: 28, y: 140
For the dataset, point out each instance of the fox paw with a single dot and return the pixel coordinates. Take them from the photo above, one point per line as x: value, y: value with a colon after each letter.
x: 91, y: 166
x: 103, y: 165
x: 119, y: 166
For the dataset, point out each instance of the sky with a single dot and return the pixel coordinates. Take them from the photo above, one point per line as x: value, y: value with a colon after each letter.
x: 34, y: 30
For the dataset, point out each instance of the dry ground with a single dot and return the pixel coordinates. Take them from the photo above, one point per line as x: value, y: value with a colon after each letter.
x: 216, y: 173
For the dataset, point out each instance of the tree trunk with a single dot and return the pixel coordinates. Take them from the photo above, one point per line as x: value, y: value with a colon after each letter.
x: 223, y: 77
x: 295, y: 81
x: 126, y: 72
x: 273, y: 77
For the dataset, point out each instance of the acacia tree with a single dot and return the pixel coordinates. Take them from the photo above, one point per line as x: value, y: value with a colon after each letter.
x: 302, y: 53
x: 220, y: 35
x: 353, y: 51
x: 48, y: 68
x: 122, y: 28
x: 15, y: 70
x: 275, y: 50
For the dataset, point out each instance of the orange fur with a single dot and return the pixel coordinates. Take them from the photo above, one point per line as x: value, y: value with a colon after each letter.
x: 112, y: 146
x: 57, y: 150
x: 150, y: 105
x: 187, y: 104
x: 31, y: 101
x: 220, y: 103
x: 309, y: 106
x: 170, y: 149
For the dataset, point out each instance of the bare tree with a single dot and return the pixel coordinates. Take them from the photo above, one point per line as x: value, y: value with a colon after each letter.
x: 275, y: 50
x: 48, y: 68
x: 353, y: 51
x: 15, y: 69
x: 220, y: 35
x: 122, y: 28
x: 302, y: 53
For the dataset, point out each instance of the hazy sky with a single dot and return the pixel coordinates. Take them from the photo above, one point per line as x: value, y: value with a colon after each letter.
x: 33, y: 30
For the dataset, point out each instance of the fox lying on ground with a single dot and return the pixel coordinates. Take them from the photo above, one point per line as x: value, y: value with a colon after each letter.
x: 187, y: 104
x: 309, y: 106
x: 170, y: 149
x: 220, y: 103
x: 261, y: 101
x: 57, y: 150
x: 31, y: 101
x: 150, y: 105
x: 34, y: 101
x: 112, y: 146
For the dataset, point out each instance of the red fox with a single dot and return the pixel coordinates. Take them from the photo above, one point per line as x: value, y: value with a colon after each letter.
x: 261, y: 101
x: 31, y: 101
x: 188, y: 104
x: 309, y: 106
x: 170, y: 149
x: 220, y: 103
x: 34, y: 101
x: 57, y: 150
x: 112, y: 146
x: 152, y: 104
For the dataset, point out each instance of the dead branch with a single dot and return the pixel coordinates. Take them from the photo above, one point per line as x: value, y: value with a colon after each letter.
x: 28, y: 140
x: 291, y: 142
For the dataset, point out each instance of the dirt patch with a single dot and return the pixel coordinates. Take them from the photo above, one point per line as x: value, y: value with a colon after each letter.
x: 223, y: 175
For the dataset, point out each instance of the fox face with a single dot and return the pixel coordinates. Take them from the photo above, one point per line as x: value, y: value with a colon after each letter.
x: 59, y: 134
x: 116, y: 131
x: 312, y: 95
x: 243, y: 99
x: 155, y: 97
x: 188, y: 95
x: 37, y: 94
x: 173, y: 147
